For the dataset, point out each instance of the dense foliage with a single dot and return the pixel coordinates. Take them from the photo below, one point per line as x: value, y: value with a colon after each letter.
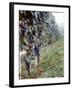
x: 37, y: 28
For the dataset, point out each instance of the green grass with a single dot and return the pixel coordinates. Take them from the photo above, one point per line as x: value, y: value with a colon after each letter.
x: 53, y: 60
